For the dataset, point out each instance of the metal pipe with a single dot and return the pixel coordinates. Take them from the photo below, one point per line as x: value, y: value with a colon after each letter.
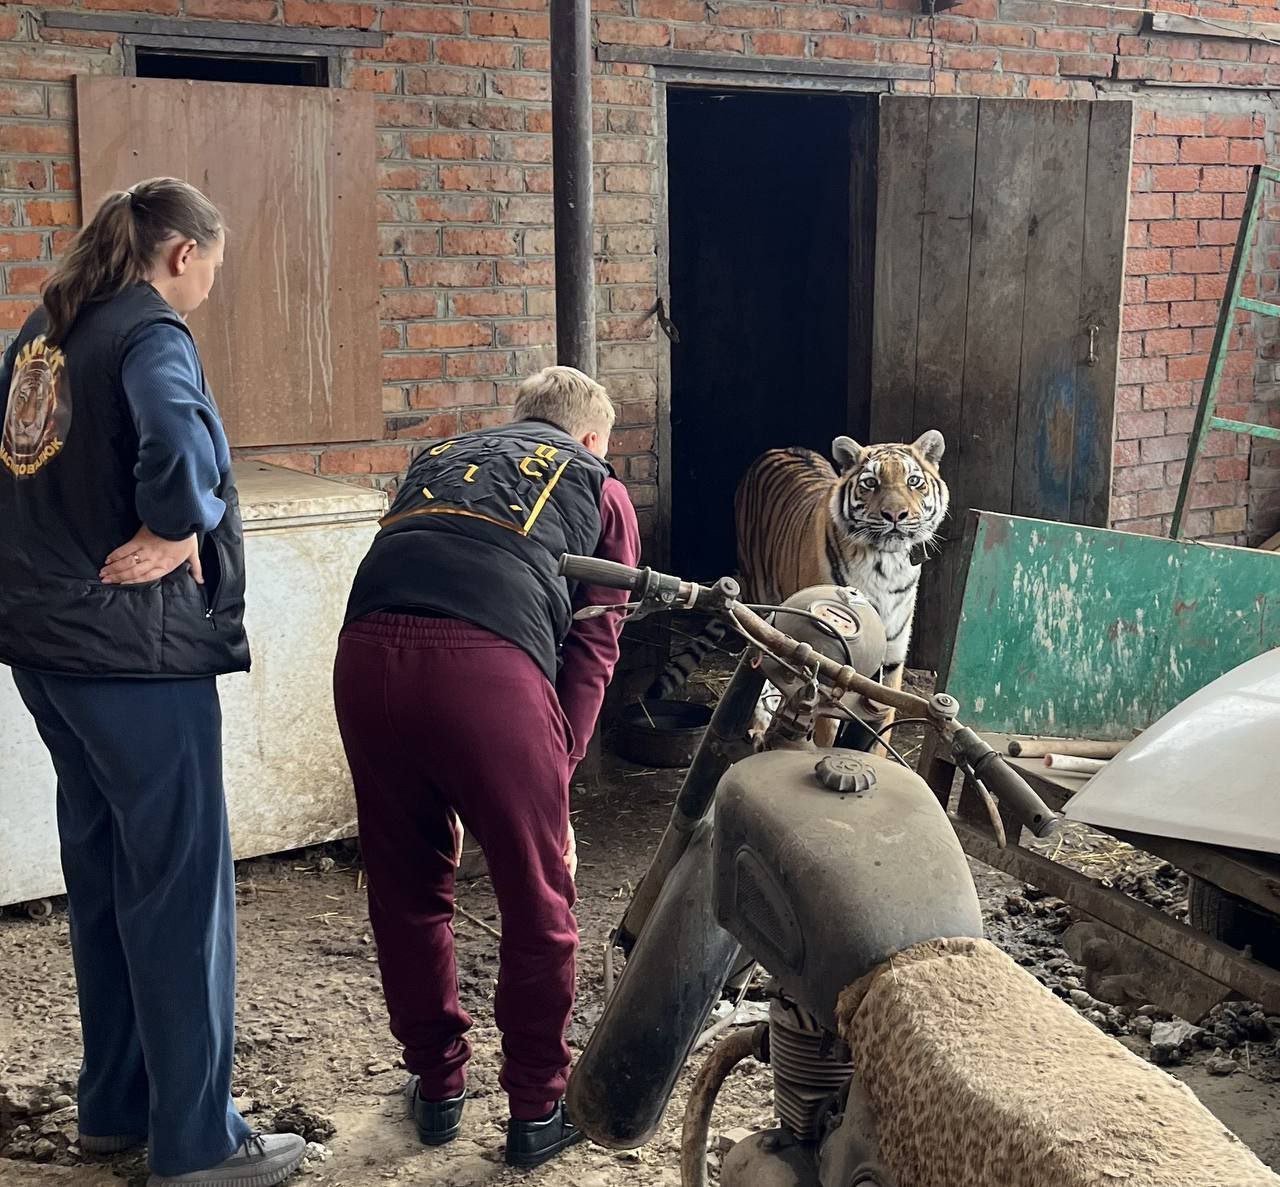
x: 572, y: 184
x: 702, y: 1099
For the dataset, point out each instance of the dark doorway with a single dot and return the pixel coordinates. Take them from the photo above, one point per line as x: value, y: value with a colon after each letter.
x: 771, y: 222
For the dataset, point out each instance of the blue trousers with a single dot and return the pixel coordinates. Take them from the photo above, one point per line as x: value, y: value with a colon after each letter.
x: 147, y: 859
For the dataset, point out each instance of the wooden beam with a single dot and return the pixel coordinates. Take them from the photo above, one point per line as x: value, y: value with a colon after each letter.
x: 219, y: 30
x: 1256, y: 981
x: 1199, y: 26
x: 736, y: 63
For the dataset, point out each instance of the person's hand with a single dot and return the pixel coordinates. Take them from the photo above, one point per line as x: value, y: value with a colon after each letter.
x: 148, y: 557
x: 571, y: 853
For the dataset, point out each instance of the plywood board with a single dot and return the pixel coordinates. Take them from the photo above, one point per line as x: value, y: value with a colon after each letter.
x: 289, y: 336
x: 1072, y: 631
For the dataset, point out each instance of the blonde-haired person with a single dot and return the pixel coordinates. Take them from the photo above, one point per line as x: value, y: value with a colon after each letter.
x: 464, y: 686
x: 121, y: 602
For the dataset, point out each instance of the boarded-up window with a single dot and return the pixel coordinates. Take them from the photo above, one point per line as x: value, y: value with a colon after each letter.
x: 289, y: 336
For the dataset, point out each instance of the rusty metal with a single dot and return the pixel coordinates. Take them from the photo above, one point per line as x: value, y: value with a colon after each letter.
x: 572, y: 195
x: 702, y: 1098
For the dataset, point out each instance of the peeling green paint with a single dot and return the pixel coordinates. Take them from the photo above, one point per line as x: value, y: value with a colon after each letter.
x: 1085, y: 632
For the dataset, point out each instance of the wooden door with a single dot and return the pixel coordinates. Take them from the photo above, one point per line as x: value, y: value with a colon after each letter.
x: 999, y: 266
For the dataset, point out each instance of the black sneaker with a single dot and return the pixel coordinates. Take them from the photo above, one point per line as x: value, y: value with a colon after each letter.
x: 438, y: 1121
x: 531, y: 1143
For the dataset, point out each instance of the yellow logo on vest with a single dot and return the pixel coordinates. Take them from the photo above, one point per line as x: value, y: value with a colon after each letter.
x: 38, y: 414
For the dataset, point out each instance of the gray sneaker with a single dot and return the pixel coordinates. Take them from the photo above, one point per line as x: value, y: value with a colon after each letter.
x: 264, y: 1160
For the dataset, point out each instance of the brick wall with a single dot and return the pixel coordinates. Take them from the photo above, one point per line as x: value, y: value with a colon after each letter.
x: 465, y: 209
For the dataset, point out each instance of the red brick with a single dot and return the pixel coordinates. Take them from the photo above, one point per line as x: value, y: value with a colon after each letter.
x: 486, y: 242
x: 1219, y: 231
x: 1141, y: 371
x: 1136, y: 478
x: 737, y: 16
x: 1198, y: 205
x: 998, y: 85
x: 1224, y: 179
x: 482, y: 178
x: 1063, y: 39
x: 960, y: 32
x: 1151, y: 206
x: 1193, y: 313
x: 1135, y: 290
x: 152, y: 7
x: 908, y: 52
x: 452, y: 273
x: 416, y: 366
x: 1017, y: 36
x: 448, y: 335
x: 1174, y: 233
x: 423, y: 428
x: 845, y: 49
x: 819, y: 19
x: 452, y: 395
x: 1229, y: 125
x: 1194, y: 72
x: 1161, y: 150
x: 534, y: 88
x: 529, y: 25
x: 1247, y: 152
x: 36, y: 139
x: 409, y: 304
x: 26, y: 280
x: 1086, y: 65
x: 43, y: 213
x: 672, y: 10
x: 325, y: 14
x: 1147, y: 262
x: 1125, y: 453
x: 1021, y: 62
x: 17, y: 99
x: 1168, y: 342
x: 778, y: 45
x: 369, y: 459
x: 1204, y: 150
x: 965, y: 58
x: 1197, y: 259
x: 710, y: 40
x: 397, y: 18
x: 873, y: 24
x: 476, y: 53
x: 260, y: 11
x: 372, y: 79
x: 434, y: 208
x: 611, y: 31
x: 66, y: 176
x: 1175, y: 178
x: 23, y: 175
x: 1145, y: 317
x: 526, y: 272
x: 478, y: 364
x: 1156, y: 396
x: 303, y: 462
x: 1192, y: 367
x: 1170, y: 123
x: 526, y: 333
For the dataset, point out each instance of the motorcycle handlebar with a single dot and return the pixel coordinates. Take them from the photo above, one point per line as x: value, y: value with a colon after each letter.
x: 999, y: 778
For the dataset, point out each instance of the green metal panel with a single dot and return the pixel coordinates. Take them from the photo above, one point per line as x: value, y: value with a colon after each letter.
x: 1073, y: 631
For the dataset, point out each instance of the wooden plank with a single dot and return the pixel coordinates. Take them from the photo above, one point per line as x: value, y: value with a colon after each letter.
x: 979, y: 462
x: 218, y: 30
x: 946, y: 234
x: 1106, y: 224
x: 1050, y: 343
x: 1199, y: 26
x: 1076, y: 631
x: 289, y: 336
x: 904, y: 137
x: 1197, y: 951
x: 642, y: 55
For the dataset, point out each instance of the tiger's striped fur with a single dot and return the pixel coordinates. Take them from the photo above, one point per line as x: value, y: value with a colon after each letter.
x: 800, y: 523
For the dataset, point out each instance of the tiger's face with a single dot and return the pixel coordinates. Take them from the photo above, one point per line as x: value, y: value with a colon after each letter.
x: 890, y: 497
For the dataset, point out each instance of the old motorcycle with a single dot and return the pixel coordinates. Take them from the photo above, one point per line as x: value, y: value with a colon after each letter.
x: 906, y: 1050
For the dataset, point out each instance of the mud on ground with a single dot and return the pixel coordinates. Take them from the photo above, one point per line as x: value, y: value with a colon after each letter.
x: 314, y: 1056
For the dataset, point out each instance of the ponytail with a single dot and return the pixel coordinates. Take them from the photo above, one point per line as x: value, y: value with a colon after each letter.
x: 118, y: 246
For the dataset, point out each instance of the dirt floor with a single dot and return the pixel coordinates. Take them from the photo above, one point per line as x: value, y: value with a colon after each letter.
x: 314, y: 1054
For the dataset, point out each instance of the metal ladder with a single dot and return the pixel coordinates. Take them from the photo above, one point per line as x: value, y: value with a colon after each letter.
x: 1206, y: 420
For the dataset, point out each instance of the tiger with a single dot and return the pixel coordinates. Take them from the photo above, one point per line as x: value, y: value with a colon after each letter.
x: 800, y: 522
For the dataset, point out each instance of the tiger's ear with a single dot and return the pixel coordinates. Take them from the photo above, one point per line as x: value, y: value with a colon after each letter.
x: 847, y: 452
x: 931, y: 446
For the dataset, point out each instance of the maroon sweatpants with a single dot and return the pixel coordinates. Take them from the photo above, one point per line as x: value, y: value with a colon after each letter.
x: 438, y: 716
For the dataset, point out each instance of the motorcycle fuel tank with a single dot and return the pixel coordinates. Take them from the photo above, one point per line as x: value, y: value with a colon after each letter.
x: 1205, y: 771
x: 828, y: 862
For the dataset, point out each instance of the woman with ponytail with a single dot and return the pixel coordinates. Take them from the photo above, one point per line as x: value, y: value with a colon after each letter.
x: 121, y: 601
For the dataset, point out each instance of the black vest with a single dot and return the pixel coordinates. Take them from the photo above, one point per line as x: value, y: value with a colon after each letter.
x: 67, y: 500
x: 477, y: 530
